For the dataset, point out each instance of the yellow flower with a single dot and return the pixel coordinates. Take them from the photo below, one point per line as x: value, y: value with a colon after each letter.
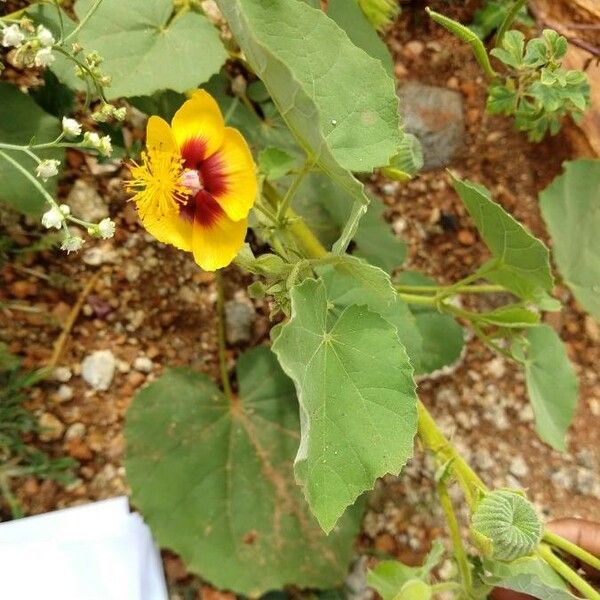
x: 196, y: 183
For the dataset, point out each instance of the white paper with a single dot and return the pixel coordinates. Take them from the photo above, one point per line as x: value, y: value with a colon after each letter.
x: 98, y: 551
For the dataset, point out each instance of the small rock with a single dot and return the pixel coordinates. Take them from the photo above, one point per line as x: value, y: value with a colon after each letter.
x: 98, y: 369
x: 414, y: 48
x: 23, y: 289
x: 52, y: 428
x: 78, y: 450
x: 564, y: 478
x: 518, y: 467
x: 62, y: 374
x: 585, y: 458
x: 239, y: 318
x: 435, y: 115
x: 135, y: 378
x: 132, y: 272
x: 496, y: 367
x: 64, y: 393
x: 143, y: 364
x: 399, y: 225
x: 483, y: 460
x: 466, y: 237
x: 526, y: 414
x: 86, y: 203
x: 76, y: 430
x: 585, y: 481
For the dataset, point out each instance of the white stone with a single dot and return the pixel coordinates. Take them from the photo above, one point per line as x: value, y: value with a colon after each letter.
x: 75, y: 431
x: 64, y: 393
x: 98, y: 369
x: 518, y: 467
x: 143, y: 364
x: 62, y: 374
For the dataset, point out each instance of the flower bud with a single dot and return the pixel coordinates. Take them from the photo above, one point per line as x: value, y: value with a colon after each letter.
x: 106, y: 228
x: 71, y: 127
x: 44, y: 57
x: 12, y: 36
x: 47, y: 168
x: 45, y: 36
x: 53, y: 218
x: 72, y: 243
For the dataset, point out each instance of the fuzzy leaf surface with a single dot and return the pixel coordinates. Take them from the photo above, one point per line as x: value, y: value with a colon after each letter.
x: 357, y: 398
x: 215, y: 482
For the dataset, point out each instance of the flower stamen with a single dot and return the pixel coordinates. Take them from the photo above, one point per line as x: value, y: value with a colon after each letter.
x: 157, y: 184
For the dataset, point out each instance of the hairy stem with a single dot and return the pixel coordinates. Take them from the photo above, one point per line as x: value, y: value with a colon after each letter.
x: 460, y: 553
x: 221, y: 336
x: 509, y: 19
x: 568, y: 574
x: 570, y: 548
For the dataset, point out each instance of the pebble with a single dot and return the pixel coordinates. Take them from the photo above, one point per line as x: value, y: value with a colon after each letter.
x: 76, y: 430
x: 62, y: 374
x: 592, y: 328
x: 143, y: 364
x: 518, y: 467
x: 23, y: 289
x: 64, y: 393
x: 526, y: 414
x: 466, y: 237
x: 52, y: 428
x: 239, y: 318
x: 436, y: 116
x: 78, y: 450
x: 496, y: 367
x: 86, y: 203
x: 414, y: 48
x: 98, y: 369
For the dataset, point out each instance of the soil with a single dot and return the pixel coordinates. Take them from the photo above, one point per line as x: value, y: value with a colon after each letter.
x: 152, y: 301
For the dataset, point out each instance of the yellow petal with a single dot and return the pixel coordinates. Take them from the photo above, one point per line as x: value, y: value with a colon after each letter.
x: 216, y: 245
x: 170, y: 230
x: 231, y: 173
x: 160, y: 137
x: 199, y: 118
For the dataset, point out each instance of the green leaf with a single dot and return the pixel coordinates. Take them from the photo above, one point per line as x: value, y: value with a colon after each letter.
x: 529, y: 575
x: 521, y: 262
x: 309, y: 66
x: 357, y: 398
x: 390, y: 576
x: 164, y: 103
x: 442, y: 336
x: 407, y: 161
x: 214, y: 480
x: 511, y: 316
x: 326, y: 207
x: 551, y: 385
x: 162, y: 52
x: 21, y: 121
x: 349, y: 16
x: 352, y: 281
x: 571, y: 211
x: 513, y: 48
x: 274, y: 163
x: 443, y: 340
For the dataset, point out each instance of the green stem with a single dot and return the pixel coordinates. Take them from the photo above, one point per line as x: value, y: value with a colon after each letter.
x: 436, y: 442
x: 221, y: 337
x: 416, y: 299
x: 286, y: 203
x: 31, y: 178
x: 446, y: 586
x: 568, y: 574
x: 84, y: 20
x: 463, y: 289
x: 562, y: 544
x: 462, y: 561
x: 508, y: 20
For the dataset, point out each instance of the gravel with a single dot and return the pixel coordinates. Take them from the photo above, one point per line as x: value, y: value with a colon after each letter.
x: 98, y: 369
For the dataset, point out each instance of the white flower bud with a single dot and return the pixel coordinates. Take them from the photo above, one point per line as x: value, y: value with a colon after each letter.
x: 120, y: 113
x: 44, y: 57
x: 91, y: 139
x: 72, y: 243
x: 106, y: 228
x: 71, y: 128
x: 53, y: 218
x: 65, y: 209
x: 12, y: 36
x: 45, y: 36
x: 105, y: 146
x: 47, y: 168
